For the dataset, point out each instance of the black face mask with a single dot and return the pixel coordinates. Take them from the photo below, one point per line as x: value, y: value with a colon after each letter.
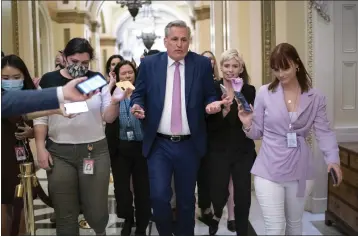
x: 59, y: 65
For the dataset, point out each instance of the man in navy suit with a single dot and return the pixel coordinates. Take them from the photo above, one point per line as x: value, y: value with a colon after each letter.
x: 173, y: 91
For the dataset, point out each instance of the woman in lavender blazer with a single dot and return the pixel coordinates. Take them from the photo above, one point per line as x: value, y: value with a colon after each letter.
x: 284, y: 113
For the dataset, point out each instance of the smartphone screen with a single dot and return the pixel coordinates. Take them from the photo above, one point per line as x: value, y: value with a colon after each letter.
x: 76, y: 107
x: 91, y: 84
x: 240, y: 97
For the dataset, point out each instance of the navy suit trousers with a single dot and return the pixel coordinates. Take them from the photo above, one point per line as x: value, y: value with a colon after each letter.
x: 180, y: 158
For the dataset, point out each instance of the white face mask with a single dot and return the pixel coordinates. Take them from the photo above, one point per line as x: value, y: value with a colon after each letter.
x: 12, y: 84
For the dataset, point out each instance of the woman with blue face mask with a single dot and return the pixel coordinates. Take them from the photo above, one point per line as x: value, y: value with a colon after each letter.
x: 15, y: 147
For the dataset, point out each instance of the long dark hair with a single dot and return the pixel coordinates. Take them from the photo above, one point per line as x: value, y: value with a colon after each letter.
x: 121, y: 64
x: 215, y: 68
x: 108, y: 64
x: 245, y: 75
x: 282, y: 57
x: 15, y: 61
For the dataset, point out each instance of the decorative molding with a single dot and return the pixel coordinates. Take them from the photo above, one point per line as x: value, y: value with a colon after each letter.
x: 212, y: 26
x: 104, y: 61
x: 72, y: 16
x: 95, y: 25
x: 34, y: 37
x: 225, y: 26
x: 15, y: 21
x: 268, y: 37
x: 310, y: 58
x: 321, y: 7
x: 66, y: 36
x: 108, y: 41
x: 202, y: 13
x: 193, y: 22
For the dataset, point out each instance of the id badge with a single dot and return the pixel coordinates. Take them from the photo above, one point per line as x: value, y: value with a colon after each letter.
x: 291, y: 139
x: 130, y: 134
x: 88, y: 166
x: 20, y: 153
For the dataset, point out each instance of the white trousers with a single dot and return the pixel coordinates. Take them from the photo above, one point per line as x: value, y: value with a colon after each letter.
x: 281, y: 208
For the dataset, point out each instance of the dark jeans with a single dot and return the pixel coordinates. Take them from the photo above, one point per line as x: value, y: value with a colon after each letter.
x: 131, y: 162
x: 238, y: 165
x: 71, y: 189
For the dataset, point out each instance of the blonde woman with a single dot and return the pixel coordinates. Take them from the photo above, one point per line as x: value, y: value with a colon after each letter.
x: 230, y: 152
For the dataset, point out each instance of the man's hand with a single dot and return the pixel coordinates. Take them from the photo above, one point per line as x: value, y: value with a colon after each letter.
x: 72, y: 94
x: 215, y: 107
x: 138, y: 112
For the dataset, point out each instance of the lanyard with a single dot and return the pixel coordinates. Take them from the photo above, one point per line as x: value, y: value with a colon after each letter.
x: 128, y: 115
x: 129, y: 122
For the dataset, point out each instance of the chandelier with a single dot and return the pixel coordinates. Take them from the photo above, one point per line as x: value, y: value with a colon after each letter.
x: 133, y: 5
x: 148, y: 39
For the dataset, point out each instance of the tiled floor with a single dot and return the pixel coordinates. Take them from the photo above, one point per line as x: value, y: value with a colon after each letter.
x: 313, y: 224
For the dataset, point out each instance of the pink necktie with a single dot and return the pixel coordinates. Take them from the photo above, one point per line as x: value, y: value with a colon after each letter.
x: 176, y: 123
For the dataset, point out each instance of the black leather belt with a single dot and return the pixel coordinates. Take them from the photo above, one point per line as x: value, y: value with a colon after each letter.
x: 174, y: 138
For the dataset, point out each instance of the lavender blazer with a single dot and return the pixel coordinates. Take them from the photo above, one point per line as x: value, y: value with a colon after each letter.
x: 277, y: 162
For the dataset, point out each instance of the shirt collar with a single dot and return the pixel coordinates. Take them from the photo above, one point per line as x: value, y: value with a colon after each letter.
x: 171, y: 61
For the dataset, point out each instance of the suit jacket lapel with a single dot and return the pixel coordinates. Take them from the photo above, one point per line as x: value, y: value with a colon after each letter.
x: 189, y: 75
x: 280, y: 102
x: 162, y: 78
x: 305, y: 101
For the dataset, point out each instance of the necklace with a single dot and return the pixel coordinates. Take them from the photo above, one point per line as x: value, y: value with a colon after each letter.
x: 289, y: 101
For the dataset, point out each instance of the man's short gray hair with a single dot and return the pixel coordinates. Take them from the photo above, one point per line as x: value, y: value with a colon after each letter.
x: 176, y: 23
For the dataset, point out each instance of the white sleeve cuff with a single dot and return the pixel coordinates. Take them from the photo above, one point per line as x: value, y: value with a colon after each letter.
x: 41, y: 121
x: 60, y: 96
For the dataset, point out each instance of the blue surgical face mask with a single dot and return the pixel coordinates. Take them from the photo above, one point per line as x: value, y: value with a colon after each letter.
x: 12, y: 84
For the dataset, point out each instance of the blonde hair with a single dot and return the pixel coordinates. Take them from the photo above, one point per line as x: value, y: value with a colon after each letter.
x: 215, y: 69
x: 234, y: 54
x: 230, y: 54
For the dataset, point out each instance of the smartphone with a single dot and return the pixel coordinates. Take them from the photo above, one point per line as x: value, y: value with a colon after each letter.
x: 334, y: 176
x: 124, y: 85
x: 223, y: 89
x: 91, y: 84
x: 76, y: 107
x: 241, y: 98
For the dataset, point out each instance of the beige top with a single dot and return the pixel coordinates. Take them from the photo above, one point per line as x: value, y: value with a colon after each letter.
x: 84, y: 128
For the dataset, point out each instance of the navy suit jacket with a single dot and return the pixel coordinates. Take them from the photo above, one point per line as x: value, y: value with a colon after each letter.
x: 150, y: 93
x: 15, y: 103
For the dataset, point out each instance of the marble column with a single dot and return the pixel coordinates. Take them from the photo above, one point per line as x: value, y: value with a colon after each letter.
x: 95, y: 42
x: 25, y: 33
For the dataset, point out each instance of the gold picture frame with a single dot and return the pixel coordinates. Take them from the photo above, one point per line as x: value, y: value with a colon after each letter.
x: 268, y: 31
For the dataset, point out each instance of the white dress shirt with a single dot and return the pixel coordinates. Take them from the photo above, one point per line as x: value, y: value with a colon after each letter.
x: 165, y: 121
